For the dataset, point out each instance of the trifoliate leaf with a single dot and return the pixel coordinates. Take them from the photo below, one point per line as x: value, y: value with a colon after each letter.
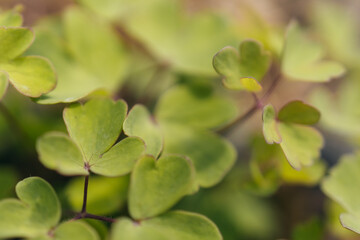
x: 212, y: 155
x: 37, y: 211
x: 155, y: 186
x: 11, y: 18
x: 242, y: 69
x: 58, y: 152
x: 208, y: 109
x: 176, y: 225
x: 270, y: 130
x: 140, y: 123
x: 105, y: 196
x: 93, y: 128
x: 341, y: 186
x: 31, y: 75
x: 299, y: 112
x: 302, y: 59
x: 73, y: 46
x: 300, y: 144
x: 96, y: 125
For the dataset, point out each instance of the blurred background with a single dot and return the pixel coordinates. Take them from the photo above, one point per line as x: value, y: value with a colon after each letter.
x: 261, y: 197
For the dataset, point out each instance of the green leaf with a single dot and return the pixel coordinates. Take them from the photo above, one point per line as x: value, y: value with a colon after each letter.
x: 120, y: 159
x: 140, y: 123
x: 176, y: 225
x: 341, y: 186
x: 12, y: 17
x: 299, y: 112
x: 95, y: 126
x: 3, y: 84
x: 14, y: 41
x: 73, y: 44
x: 105, y: 196
x: 58, y: 152
x: 85, y: 40
x: 155, y: 186
x: 208, y: 109
x: 242, y: 69
x: 75, y: 230
x: 338, y: 29
x: 302, y: 59
x: 212, y: 155
x: 37, y: 211
x: 31, y: 75
x: 300, y: 144
x: 179, y: 38
x: 270, y: 130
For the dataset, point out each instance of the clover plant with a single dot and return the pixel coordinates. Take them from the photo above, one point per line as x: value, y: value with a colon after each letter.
x: 137, y: 163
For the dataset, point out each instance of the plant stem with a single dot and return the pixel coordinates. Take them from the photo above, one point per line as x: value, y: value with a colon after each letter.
x: 86, y: 184
x: 101, y: 218
x: 83, y: 213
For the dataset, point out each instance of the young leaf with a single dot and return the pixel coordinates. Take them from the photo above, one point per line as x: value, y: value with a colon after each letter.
x: 37, y: 211
x: 270, y: 130
x: 31, y: 75
x: 300, y: 144
x: 242, y: 69
x: 155, y: 186
x: 212, y: 155
x: 302, y: 59
x: 208, y: 109
x: 299, y: 112
x: 93, y: 127
x: 96, y: 125
x: 140, y: 123
x: 341, y: 186
x: 176, y: 225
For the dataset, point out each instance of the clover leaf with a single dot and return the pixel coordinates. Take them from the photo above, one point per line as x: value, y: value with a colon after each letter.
x: 302, y: 59
x: 300, y: 144
x: 155, y: 186
x: 30, y: 75
x: 93, y: 128
x: 186, y: 225
x: 341, y: 186
x: 37, y: 213
x: 140, y: 123
x: 72, y: 43
x: 242, y: 69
